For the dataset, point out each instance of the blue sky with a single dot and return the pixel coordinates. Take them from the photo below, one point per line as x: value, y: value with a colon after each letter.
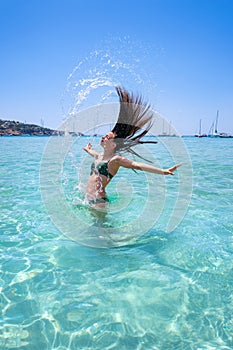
x: 184, y: 47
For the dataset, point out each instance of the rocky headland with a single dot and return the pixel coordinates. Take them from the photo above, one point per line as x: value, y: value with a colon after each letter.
x: 16, y: 128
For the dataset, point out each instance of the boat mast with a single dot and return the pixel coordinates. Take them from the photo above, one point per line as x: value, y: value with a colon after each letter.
x: 200, y: 127
x: 163, y: 133
x: 216, y: 124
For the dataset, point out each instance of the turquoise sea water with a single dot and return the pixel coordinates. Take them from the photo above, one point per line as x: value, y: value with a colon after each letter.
x: 166, y: 291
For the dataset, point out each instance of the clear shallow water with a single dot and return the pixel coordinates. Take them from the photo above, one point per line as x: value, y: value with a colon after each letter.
x: 165, y: 291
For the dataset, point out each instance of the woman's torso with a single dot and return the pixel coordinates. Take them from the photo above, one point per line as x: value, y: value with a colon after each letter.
x: 102, y: 171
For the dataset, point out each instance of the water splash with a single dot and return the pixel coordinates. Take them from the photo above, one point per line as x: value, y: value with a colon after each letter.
x: 92, y: 81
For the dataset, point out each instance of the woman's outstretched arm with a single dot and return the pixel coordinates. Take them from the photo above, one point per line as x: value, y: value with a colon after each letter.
x: 126, y: 163
x: 89, y: 150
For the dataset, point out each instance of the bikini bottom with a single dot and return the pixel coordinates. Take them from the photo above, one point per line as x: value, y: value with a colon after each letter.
x: 98, y: 200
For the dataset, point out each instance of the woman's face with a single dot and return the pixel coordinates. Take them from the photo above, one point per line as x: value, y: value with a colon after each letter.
x: 107, y: 140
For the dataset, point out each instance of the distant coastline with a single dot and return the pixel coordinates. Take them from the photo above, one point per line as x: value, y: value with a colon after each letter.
x: 16, y: 128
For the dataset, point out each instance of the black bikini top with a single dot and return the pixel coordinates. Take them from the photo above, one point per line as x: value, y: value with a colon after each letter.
x: 101, y: 168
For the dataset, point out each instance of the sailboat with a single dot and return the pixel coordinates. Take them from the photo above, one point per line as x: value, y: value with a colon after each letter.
x: 169, y: 133
x: 163, y: 132
x: 213, y: 132
x: 200, y: 134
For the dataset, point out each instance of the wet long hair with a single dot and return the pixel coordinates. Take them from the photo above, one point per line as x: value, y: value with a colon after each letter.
x: 134, y: 121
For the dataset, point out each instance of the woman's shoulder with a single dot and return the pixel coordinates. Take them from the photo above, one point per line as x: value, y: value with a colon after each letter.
x: 117, y: 158
x: 121, y: 161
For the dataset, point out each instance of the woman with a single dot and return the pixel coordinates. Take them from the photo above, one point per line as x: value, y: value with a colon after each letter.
x: 134, y: 121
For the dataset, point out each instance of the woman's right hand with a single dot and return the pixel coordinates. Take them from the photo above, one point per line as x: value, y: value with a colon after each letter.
x: 88, y: 147
x: 91, y: 151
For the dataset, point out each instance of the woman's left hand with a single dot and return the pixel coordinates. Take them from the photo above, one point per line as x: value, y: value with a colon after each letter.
x: 171, y: 170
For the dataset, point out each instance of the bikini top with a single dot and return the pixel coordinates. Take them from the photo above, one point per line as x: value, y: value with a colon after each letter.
x: 101, y: 168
